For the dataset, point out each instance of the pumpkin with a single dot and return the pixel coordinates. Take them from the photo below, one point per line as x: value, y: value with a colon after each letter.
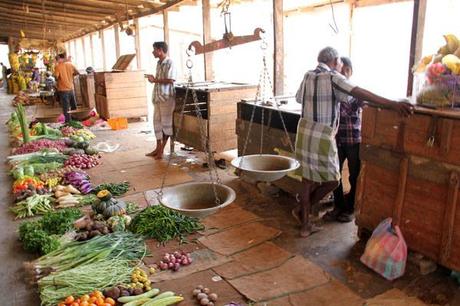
x: 116, y: 209
x: 99, y: 206
x: 104, y: 195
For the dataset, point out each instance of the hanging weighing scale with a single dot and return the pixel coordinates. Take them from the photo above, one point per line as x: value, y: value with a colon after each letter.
x: 196, y: 199
x: 265, y: 167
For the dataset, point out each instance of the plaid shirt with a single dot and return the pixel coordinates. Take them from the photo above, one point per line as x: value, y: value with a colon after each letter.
x: 349, y: 132
x: 320, y: 94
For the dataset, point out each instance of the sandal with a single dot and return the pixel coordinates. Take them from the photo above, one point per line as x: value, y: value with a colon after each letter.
x: 331, y: 216
x: 345, y: 217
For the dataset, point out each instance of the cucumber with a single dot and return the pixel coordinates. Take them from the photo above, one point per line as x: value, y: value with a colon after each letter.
x: 164, y: 295
x: 165, y: 301
x: 138, y: 302
x: 148, y: 294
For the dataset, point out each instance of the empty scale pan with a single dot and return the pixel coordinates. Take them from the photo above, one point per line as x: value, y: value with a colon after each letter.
x: 197, y: 199
x: 265, y: 167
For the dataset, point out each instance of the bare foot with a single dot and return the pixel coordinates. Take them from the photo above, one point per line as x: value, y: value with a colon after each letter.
x: 309, y: 229
x: 153, y: 153
x: 159, y: 155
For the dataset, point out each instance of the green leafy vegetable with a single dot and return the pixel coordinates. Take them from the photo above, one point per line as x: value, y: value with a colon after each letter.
x: 43, y: 236
x: 116, y: 189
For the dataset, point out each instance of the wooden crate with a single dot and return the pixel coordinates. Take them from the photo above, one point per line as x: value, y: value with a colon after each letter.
x: 218, y: 106
x: 85, y: 90
x: 414, y: 183
x: 124, y: 92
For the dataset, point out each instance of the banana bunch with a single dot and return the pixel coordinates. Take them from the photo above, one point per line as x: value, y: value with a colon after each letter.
x: 448, y: 55
x: 22, y: 82
x: 14, y: 61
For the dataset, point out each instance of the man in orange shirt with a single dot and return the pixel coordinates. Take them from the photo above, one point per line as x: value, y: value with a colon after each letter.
x: 64, y: 73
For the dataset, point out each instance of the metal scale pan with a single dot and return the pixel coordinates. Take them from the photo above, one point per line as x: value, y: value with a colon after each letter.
x: 197, y: 199
x: 265, y: 167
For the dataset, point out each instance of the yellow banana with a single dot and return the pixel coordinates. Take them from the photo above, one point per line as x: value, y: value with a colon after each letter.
x: 452, y: 42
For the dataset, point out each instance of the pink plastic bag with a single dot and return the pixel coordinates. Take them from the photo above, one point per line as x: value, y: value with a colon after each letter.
x: 386, y: 251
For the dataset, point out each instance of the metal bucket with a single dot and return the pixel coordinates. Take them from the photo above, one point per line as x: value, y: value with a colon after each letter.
x: 265, y: 167
x: 197, y: 199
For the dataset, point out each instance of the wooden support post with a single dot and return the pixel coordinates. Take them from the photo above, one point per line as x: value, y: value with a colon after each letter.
x: 91, y: 46
x: 278, y: 72
x: 75, y: 53
x: 116, y: 30
x: 166, y: 26
x: 418, y: 24
x: 208, y: 69
x: 85, y: 61
x: 104, y: 60
x: 137, y: 43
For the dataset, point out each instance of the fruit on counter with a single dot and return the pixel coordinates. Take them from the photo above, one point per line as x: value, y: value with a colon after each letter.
x: 94, y: 298
x: 448, y: 56
x: 452, y: 62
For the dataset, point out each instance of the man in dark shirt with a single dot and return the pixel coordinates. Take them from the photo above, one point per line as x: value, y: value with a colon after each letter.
x: 348, y: 140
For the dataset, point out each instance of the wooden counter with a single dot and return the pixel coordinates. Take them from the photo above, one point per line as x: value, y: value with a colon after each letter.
x: 217, y: 103
x: 411, y: 172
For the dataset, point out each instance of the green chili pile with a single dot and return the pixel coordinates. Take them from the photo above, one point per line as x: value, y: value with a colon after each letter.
x: 164, y: 224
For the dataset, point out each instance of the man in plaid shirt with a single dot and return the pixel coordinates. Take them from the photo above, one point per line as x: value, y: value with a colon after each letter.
x: 320, y: 94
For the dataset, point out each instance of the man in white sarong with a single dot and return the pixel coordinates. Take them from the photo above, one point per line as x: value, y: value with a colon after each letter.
x: 163, y: 97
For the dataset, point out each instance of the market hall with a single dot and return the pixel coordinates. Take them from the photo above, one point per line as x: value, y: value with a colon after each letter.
x: 219, y: 152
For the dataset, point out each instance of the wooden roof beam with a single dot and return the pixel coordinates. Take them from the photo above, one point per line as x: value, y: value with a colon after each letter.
x: 66, y: 7
x: 24, y: 17
x: 47, y: 13
x: 143, y: 13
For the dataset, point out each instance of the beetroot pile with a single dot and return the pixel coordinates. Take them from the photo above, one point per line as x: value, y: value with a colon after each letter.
x: 83, y: 161
x: 37, y: 145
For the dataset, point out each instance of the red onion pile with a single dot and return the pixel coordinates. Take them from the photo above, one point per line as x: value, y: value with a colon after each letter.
x: 82, y: 161
x: 174, y: 261
x: 37, y: 145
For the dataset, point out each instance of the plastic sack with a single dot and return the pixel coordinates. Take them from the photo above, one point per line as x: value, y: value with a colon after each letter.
x: 106, y: 147
x: 386, y: 251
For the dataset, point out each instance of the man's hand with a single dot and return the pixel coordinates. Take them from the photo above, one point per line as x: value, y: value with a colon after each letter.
x: 403, y: 108
x: 151, y: 78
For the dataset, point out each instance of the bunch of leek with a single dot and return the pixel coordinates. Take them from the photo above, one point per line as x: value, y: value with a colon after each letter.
x: 22, y: 118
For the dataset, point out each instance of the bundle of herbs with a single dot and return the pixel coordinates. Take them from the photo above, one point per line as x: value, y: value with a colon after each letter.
x: 83, y: 279
x: 119, y: 245
x: 164, y: 224
x: 44, y: 235
x: 116, y: 189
